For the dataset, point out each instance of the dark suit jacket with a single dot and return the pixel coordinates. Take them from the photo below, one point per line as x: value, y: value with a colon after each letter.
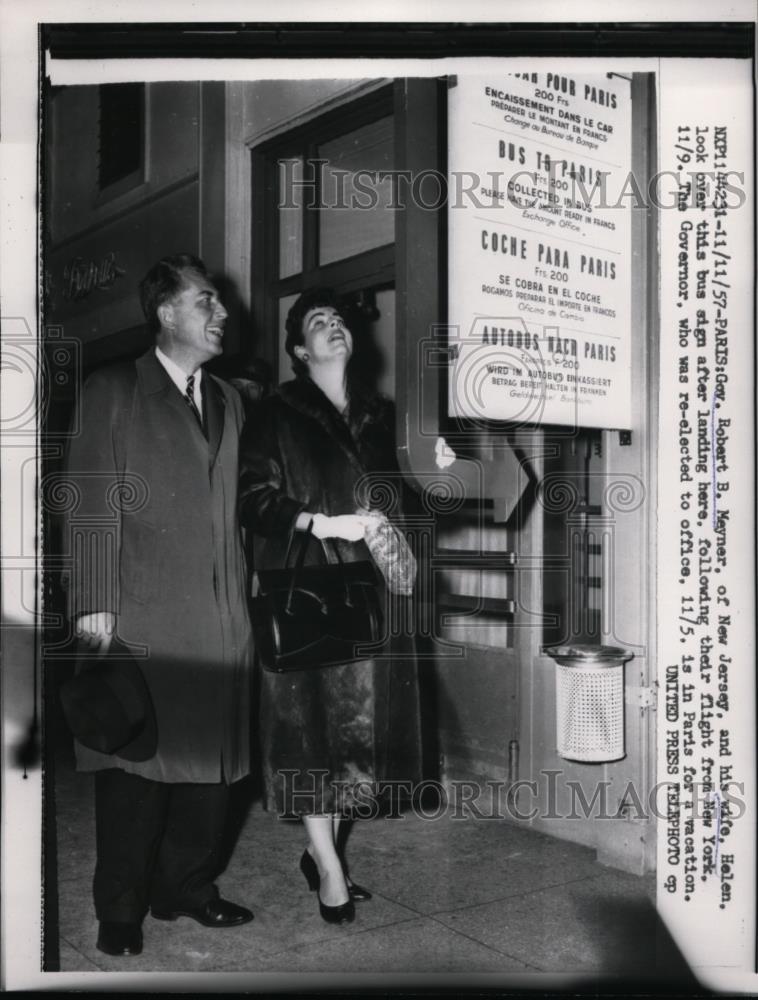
x: 174, y: 574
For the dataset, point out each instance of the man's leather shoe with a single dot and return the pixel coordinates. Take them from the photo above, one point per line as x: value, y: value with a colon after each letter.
x: 119, y: 939
x: 215, y: 913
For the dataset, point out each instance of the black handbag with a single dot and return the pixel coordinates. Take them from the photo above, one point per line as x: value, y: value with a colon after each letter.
x: 308, y: 617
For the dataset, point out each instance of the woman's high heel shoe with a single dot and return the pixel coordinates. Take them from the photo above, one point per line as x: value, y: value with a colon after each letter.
x: 342, y: 914
x: 357, y: 892
x: 309, y: 868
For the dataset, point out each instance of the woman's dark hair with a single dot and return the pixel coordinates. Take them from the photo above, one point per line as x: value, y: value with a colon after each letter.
x: 163, y: 282
x: 293, y: 325
x: 363, y: 402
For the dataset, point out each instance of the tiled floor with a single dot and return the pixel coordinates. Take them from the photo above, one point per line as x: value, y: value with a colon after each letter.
x: 469, y: 897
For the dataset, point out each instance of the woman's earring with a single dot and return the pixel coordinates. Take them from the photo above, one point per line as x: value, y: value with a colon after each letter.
x: 305, y: 356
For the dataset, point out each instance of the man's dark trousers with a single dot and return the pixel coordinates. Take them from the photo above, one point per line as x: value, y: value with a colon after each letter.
x: 158, y: 844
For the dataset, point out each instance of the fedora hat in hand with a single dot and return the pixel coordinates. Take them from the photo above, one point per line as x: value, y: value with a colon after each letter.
x: 108, y: 707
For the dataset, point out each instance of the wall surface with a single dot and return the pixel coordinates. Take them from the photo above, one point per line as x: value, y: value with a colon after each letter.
x: 119, y: 233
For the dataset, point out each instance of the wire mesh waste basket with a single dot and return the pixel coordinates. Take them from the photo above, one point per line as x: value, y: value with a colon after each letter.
x: 589, y: 688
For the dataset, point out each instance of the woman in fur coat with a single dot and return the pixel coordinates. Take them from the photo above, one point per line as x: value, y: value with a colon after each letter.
x: 316, y: 451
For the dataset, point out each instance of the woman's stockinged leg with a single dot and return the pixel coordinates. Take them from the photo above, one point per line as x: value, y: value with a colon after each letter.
x: 336, y: 819
x: 321, y: 833
x: 358, y: 893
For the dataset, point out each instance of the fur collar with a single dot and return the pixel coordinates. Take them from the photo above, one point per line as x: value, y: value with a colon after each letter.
x: 303, y: 395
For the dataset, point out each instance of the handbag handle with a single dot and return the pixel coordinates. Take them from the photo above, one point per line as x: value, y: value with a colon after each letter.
x: 307, y: 535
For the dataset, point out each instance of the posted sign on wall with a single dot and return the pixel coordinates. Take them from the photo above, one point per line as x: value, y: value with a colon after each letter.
x: 540, y: 195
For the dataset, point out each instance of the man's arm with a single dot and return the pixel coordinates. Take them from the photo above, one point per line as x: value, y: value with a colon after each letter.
x: 93, y: 520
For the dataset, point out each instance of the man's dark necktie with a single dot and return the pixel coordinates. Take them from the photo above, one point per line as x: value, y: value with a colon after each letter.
x: 189, y: 396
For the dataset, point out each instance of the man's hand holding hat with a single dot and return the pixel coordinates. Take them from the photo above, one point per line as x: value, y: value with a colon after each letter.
x: 96, y: 630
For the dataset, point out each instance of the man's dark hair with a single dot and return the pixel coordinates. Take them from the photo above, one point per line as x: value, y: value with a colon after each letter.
x: 163, y: 282
x: 311, y: 299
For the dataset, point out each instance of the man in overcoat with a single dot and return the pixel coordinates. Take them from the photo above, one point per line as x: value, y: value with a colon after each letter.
x: 172, y: 586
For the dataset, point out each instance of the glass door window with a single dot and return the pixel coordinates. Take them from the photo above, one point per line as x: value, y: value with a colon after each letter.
x: 324, y: 217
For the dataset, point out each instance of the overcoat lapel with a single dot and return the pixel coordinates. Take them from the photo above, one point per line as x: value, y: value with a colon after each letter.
x: 154, y: 380
x: 213, y: 401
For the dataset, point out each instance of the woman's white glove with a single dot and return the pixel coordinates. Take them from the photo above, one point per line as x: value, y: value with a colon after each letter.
x: 350, y: 527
